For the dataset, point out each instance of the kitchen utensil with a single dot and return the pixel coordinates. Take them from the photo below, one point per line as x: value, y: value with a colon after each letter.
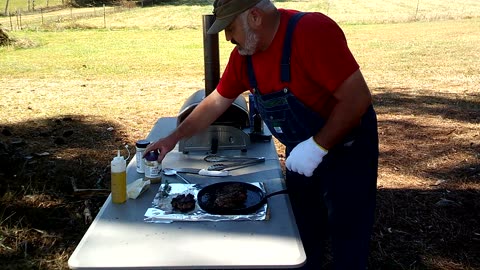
x: 170, y: 171
x: 203, y: 172
x: 255, y: 198
x: 217, y: 158
x: 236, y: 165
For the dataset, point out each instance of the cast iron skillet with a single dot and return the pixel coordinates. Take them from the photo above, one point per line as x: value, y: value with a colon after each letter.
x: 256, y: 198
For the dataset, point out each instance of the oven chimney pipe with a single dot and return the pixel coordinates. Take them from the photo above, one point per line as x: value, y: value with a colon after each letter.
x: 210, y: 55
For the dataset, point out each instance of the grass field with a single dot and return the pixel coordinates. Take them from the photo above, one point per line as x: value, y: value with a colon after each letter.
x: 74, y: 73
x: 28, y: 5
x: 343, y: 11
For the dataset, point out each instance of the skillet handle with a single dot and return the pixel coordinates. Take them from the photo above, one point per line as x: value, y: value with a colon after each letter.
x: 283, y: 191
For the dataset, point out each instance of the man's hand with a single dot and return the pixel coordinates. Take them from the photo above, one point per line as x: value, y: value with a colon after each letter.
x: 305, y: 157
x: 163, y: 146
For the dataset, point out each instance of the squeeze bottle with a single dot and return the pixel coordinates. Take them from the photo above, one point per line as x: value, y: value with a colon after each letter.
x: 119, y: 179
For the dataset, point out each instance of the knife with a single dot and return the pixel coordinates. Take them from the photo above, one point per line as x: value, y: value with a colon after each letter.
x: 204, y: 172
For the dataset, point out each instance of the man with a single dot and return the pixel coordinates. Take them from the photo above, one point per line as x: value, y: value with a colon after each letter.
x: 311, y: 94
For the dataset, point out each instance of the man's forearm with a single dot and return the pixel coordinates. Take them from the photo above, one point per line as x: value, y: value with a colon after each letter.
x: 353, y: 99
x: 342, y: 120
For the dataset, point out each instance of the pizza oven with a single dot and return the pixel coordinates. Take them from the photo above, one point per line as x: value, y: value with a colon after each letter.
x: 229, y: 131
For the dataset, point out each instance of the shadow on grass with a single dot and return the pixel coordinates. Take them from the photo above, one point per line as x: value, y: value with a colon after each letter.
x: 426, y: 229
x: 40, y: 161
x: 62, y: 148
x: 461, y: 108
x: 434, y: 136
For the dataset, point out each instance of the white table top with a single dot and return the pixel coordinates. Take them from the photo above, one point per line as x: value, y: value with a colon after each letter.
x: 119, y: 238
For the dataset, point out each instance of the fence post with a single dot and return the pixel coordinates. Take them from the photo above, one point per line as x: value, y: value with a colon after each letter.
x: 6, y: 7
x: 416, y: 12
x: 19, y: 19
x: 104, y: 17
x: 11, y: 24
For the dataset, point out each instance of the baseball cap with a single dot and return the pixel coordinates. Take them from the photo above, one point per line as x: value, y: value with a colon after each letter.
x: 226, y: 11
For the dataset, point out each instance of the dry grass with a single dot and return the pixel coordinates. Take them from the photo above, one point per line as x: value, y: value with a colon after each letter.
x: 62, y: 95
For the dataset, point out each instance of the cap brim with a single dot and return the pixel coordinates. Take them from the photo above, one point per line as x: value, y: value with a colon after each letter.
x: 220, y: 24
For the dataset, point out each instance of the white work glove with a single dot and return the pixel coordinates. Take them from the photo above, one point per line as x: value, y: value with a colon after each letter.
x: 305, y: 157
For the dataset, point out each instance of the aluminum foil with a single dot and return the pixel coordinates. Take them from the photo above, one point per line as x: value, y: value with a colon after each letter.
x: 162, y: 212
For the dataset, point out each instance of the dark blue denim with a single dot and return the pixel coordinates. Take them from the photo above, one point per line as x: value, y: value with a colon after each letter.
x: 288, y: 119
x: 341, y: 191
x: 338, y: 201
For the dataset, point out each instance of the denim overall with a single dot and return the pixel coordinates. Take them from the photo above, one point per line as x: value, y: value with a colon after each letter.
x: 342, y: 188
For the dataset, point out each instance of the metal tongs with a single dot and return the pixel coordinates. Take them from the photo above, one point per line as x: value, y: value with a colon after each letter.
x: 238, y: 162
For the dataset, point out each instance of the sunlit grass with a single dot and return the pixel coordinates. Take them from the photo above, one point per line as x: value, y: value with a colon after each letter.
x: 402, y: 54
x: 161, y: 47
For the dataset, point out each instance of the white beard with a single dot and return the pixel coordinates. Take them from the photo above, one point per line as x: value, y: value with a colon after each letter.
x: 251, y: 41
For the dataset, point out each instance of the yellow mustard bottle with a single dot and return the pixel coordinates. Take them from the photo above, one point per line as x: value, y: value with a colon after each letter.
x: 119, y: 179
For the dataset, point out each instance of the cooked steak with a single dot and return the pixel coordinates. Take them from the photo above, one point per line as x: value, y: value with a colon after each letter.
x: 184, y: 203
x: 231, y: 196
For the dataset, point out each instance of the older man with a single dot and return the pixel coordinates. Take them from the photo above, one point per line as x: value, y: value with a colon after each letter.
x: 312, y: 96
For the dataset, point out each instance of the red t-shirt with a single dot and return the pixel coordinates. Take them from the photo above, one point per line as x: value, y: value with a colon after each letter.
x: 320, y: 62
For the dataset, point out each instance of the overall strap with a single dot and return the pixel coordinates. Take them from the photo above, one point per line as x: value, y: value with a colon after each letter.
x: 251, y: 74
x: 287, y: 47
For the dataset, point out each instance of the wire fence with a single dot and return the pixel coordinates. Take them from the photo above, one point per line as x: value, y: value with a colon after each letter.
x: 12, y: 6
x: 52, y: 15
x: 21, y: 20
